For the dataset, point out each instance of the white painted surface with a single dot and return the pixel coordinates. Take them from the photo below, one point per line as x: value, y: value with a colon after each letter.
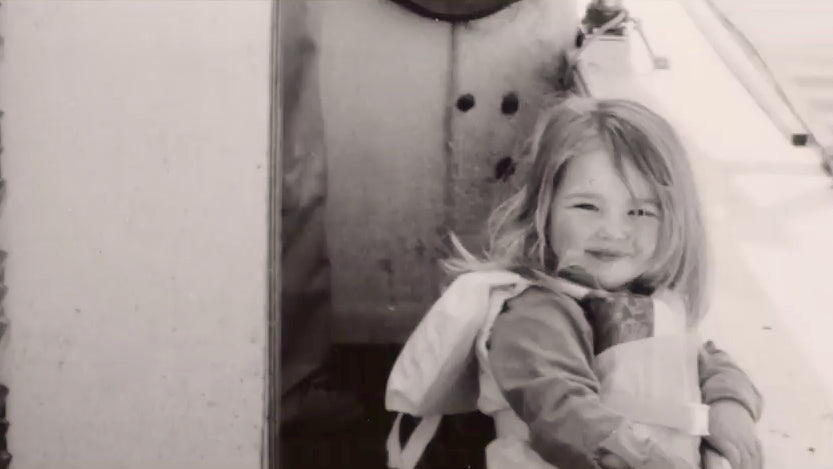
x: 136, y: 138
x: 793, y: 38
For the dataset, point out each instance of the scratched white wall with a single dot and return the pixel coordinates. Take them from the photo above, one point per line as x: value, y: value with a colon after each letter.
x: 135, y: 137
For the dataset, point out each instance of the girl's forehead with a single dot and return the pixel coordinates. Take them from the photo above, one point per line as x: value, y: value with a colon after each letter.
x: 595, y: 172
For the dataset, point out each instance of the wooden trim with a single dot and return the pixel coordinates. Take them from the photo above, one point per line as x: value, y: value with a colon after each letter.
x: 270, y: 449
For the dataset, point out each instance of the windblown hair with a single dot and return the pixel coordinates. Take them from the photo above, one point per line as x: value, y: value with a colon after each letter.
x: 518, y: 228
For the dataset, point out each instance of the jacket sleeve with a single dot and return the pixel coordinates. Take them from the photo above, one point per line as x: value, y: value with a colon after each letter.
x: 541, y: 353
x: 721, y: 378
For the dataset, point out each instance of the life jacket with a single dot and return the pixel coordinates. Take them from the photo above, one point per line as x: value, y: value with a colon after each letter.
x: 438, y: 372
x: 443, y: 369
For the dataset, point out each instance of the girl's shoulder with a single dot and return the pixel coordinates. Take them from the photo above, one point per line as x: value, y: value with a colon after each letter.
x: 541, y: 300
x: 536, y: 294
x: 542, y: 315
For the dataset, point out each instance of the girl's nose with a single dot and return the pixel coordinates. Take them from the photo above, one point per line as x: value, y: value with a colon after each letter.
x: 615, y: 228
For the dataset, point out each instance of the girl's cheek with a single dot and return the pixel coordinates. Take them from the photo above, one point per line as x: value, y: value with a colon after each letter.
x: 569, y: 232
x: 647, y: 240
x: 577, y: 222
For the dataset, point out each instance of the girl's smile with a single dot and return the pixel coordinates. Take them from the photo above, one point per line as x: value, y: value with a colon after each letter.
x: 606, y: 255
x: 604, y: 221
x: 609, y: 201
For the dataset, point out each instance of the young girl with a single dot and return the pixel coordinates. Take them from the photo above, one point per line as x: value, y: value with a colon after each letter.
x: 607, y: 221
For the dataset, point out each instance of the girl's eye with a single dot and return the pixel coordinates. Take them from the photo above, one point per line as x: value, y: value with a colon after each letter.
x: 642, y: 212
x: 586, y: 207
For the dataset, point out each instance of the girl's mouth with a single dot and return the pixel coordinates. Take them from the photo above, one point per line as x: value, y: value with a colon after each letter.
x: 606, y: 255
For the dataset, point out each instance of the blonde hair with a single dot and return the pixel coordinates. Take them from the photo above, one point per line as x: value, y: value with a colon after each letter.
x: 518, y: 228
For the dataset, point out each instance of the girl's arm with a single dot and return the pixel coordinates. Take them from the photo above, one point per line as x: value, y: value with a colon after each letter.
x: 721, y: 378
x: 540, y: 352
x: 735, y: 404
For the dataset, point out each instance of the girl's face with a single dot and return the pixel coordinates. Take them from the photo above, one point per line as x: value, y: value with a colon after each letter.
x: 596, y: 223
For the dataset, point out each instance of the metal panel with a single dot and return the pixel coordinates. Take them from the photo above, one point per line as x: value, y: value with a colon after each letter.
x: 384, y: 74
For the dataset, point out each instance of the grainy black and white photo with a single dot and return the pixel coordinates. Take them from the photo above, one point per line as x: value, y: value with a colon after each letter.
x: 401, y: 234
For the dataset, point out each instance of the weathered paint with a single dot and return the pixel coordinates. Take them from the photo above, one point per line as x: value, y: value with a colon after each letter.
x: 136, y: 155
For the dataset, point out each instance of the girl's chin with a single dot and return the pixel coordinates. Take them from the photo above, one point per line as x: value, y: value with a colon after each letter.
x: 607, y: 277
x: 614, y: 282
x: 613, y: 286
